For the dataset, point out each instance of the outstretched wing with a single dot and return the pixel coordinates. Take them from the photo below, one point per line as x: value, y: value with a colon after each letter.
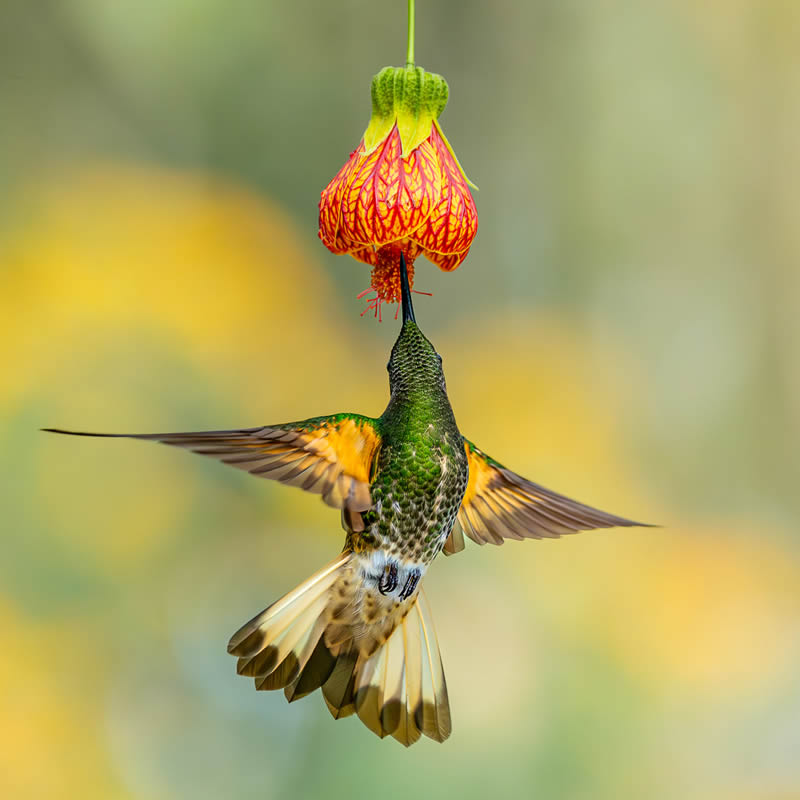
x: 331, y: 456
x: 499, y: 505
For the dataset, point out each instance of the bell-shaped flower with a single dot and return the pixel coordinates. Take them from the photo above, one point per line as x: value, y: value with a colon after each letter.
x: 402, y: 188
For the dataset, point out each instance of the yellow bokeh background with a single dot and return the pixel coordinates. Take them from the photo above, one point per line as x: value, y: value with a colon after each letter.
x: 623, y: 331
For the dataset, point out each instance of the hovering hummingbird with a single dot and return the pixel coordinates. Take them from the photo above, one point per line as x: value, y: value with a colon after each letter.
x: 409, y: 485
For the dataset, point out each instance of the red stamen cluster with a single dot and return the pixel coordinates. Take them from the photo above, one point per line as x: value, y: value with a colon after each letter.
x: 385, y: 279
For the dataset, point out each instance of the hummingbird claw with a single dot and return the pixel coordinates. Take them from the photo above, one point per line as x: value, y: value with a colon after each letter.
x: 388, y: 583
x: 411, y: 584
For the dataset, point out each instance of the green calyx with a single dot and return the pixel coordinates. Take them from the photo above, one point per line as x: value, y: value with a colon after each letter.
x: 410, y: 97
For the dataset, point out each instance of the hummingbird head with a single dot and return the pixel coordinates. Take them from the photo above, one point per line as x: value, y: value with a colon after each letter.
x: 414, y: 363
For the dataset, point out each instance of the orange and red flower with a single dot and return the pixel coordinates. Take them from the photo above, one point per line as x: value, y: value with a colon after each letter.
x: 402, y: 188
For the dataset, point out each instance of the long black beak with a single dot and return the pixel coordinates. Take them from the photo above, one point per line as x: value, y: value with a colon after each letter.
x: 408, y: 308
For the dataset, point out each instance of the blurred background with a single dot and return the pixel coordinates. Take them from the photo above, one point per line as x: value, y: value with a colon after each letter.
x: 625, y: 330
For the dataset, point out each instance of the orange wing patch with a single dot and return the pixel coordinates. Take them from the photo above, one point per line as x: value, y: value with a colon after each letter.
x: 499, y: 504
x: 349, y: 444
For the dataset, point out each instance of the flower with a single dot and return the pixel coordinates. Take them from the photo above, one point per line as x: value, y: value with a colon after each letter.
x: 402, y: 189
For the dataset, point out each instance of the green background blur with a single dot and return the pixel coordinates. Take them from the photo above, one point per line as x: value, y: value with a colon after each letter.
x: 625, y: 330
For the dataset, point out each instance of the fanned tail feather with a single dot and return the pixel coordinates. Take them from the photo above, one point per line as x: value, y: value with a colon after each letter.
x: 380, y: 662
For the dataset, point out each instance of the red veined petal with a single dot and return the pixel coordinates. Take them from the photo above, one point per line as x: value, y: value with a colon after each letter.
x: 330, y: 204
x: 448, y: 232
x: 390, y: 197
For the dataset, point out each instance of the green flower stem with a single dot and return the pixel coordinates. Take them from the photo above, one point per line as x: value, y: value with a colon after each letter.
x: 410, y: 50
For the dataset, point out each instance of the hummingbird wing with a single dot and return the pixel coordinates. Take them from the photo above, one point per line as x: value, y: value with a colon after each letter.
x: 331, y: 456
x: 499, y: 504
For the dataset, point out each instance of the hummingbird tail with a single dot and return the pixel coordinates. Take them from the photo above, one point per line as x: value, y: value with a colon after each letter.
x: 371, y: 654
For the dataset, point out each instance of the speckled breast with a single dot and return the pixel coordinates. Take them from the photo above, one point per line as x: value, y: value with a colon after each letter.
x: 417, y: 490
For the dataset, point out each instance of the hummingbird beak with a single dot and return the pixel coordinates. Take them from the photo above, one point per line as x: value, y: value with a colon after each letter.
x: 408, y: 308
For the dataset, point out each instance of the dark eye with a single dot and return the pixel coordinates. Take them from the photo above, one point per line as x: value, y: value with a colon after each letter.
x: 440, y: 359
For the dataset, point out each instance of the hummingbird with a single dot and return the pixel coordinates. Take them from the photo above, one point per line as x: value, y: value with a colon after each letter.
x: 409, y: 486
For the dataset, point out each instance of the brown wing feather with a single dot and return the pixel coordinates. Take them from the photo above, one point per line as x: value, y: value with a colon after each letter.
x: 500, y: 505
x: 331, y: 456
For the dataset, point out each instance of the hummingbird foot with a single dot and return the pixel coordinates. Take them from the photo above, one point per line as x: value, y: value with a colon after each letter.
x: 388, y: 583
x: 394, y: 578
x: 410, y: 585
